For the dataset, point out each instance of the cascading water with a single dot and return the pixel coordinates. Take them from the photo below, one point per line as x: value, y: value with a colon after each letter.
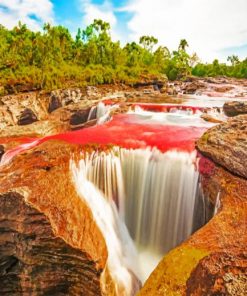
x: 121, y: 261
x: 155, y: 194
x: 155, y: 191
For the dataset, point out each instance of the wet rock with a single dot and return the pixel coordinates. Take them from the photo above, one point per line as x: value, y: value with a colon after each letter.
x: 211, y: 118
x: 54, y: 103
x: 235, y: 108
x: 27, y: 117
x: 191, y: 88
x: 224, y: 88
x: 226, y: 144
x: 79, y: 117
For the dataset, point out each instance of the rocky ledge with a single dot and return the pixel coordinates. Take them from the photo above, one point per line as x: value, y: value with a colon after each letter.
x: 213, y: 261
x: 226, y: 144
x: 50, y: 243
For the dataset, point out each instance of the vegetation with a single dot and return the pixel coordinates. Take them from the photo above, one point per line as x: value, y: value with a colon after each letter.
x: 53, y: 58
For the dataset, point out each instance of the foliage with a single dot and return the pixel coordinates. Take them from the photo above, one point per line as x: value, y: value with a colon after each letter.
x: 52, y: 58
x: 236, y: 69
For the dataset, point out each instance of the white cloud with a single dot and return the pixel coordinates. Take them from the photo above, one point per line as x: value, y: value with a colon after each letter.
x: 208, y: 25
x: 103, y: 11
x: 33, y: 13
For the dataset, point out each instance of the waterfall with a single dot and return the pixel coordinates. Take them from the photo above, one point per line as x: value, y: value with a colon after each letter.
x: 122, y: 258
x: 160, y: 196
x: 92, y: 113
x: 155, y: 194
x: 104, y: 171
x: 101, y: 112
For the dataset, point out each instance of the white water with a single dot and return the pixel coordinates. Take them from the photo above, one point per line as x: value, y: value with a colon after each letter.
x: 122, y: 256
x: 174, y: 117
x: 7, y: 156
x: 155, y: 193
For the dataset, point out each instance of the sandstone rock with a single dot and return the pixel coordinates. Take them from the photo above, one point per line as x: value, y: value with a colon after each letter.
x: 27, y: 117
x: 34, y: 260
x: 235, y: 108
x: 226, y: 144
x: 219, y: 273
x: 50, y: 242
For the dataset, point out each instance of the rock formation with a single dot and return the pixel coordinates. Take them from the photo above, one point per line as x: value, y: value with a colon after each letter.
x: 49, y: 240
x: 27, y: 117
x: 235, y: 108
x: 226, y: 144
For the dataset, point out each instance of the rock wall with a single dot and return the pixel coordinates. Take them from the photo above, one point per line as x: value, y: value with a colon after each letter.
x: 49, y: 242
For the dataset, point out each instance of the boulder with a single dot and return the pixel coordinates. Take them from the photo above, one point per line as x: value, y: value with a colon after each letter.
x: 235, y: 108
x: 79, y: 116
x: 226, y: 144
x: 27, y: 117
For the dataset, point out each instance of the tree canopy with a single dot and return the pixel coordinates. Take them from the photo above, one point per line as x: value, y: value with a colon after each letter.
x: 53, y: 58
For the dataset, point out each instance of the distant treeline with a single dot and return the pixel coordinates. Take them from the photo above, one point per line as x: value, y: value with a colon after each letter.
x: 53, y: 58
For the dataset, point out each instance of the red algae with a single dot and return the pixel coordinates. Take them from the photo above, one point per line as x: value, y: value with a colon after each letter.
x: 206, y: 166
x: 127, y: 131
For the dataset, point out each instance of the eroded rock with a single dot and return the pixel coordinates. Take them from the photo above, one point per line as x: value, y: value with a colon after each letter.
x: 34, y: 260
x: 50, y: 242
x: 235, y: 108
x: 226, y: 144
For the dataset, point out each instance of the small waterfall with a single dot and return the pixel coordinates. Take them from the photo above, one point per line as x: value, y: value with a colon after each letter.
x: 92, y: 113
x: 160, y: 196
x: 122, y: 258
x: 101, y: 112
x: 155, y: 194
x: 105, y: 172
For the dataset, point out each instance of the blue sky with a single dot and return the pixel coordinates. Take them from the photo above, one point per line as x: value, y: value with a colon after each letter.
x: 213, y: 28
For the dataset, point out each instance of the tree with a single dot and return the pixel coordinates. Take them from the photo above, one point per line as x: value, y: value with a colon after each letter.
x: 148, y: 42
x: 233, y: 59
x: 183, y: 44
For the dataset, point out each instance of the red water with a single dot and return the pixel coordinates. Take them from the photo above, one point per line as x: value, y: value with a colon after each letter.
x: 167, y: 108
x: 160, y: 107
x: 128, y: 131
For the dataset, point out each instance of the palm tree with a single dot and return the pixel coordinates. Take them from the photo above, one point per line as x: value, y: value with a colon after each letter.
x: 183, y: 44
